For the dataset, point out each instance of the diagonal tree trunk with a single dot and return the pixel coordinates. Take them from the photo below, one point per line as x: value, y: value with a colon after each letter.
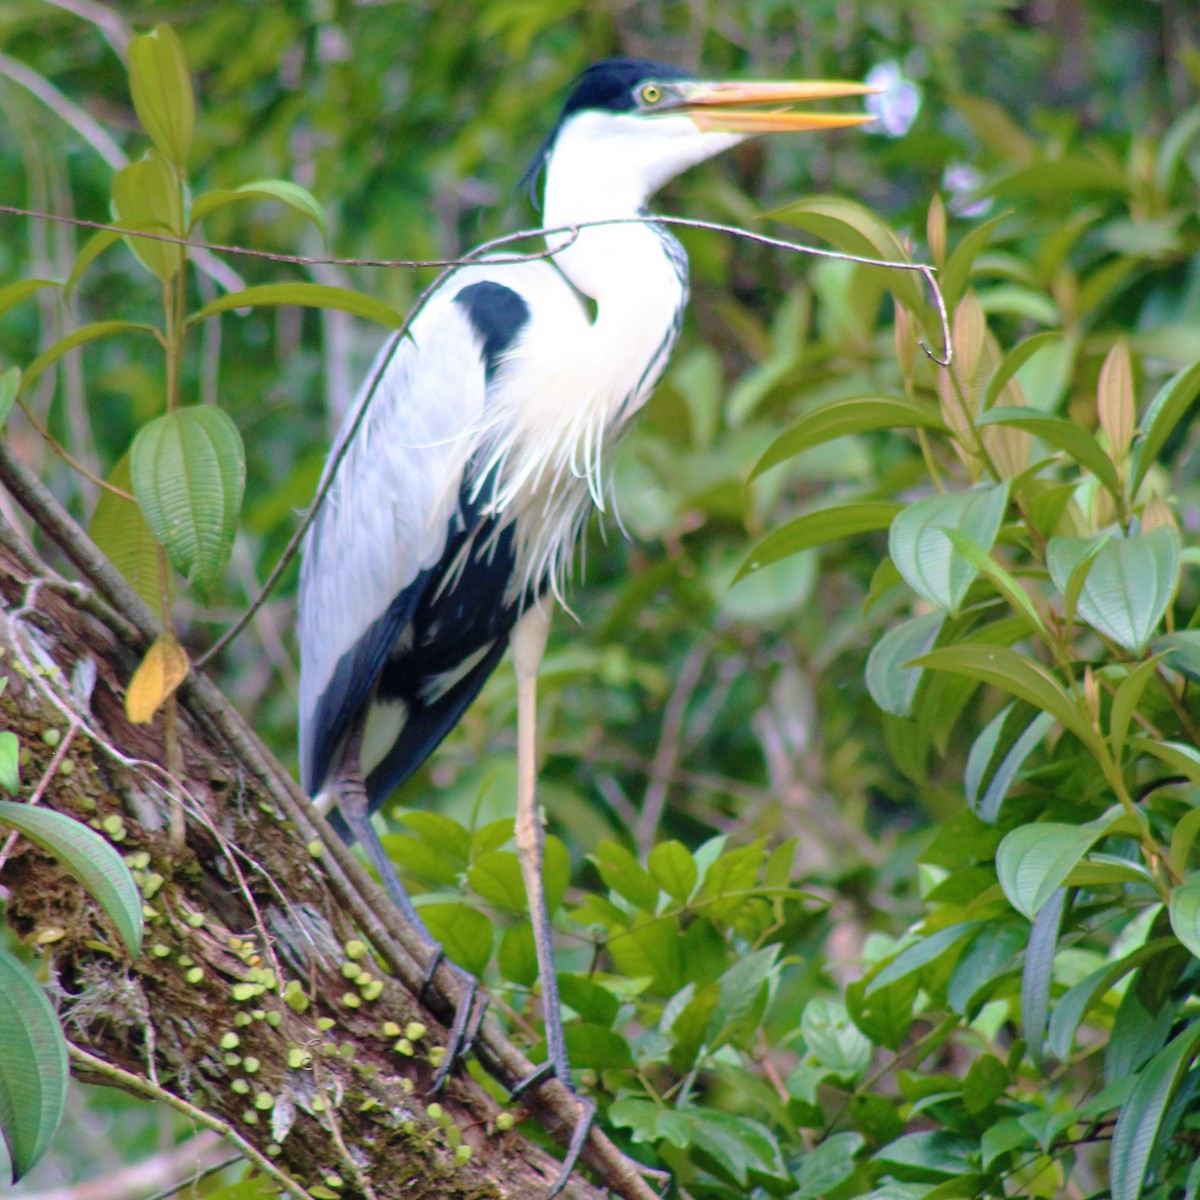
x: 240, y: 1005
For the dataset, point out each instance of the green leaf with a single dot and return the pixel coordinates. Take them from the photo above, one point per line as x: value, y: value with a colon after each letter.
x: 1125, y: 703
x: 815, y: 529
x: 306, y: 295
x: 731, y: 875
x: 626, y: 876
x: 146, y: 196
x: 832, y: 1039
x: 10, y: 764
x: 556, y: 872
x: 14, y: 293
x: 291, y: 194
x: 826, y: 1166
x: 1034, y: 860
x: 1072, y: 439
x: 921, y: 953
x: 442, y: 833
x: 1079, y: 999
x: 1019, y: 676
x: 1181, y: 650
x: 741, y: 996
x: 496, y: 878
x: 594, y: 1047
x: 860, y: 414
x: 1166, y: 411
x: 1037, y: 974
x: 464, y: 933
x: 93, y: 248
x: 987, y: 805
x: 1182, y: 838
x: 1184, y: 911
x: 936, y: 1153
x: 1006, y: 585
x: 1139, y: 1124
x: 120, y: 530
x: 162, y: 92
x: 925, y: 556
x: 856, y: 230
x: 10, y: 386
x: 1129, y: 584
x: 189, y: 472
x: 953, y: 277
x: 674, y: 870
x: 650, y: 950
x: 890, y: 680
x: 589, y: 999
x: 737, y: 1145
x: 89, y: 858
x: 33, y: 1066
x: 88, y: 333
x: 517, y: 956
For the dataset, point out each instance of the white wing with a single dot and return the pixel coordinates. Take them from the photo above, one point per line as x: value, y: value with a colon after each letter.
x: 386, y: 516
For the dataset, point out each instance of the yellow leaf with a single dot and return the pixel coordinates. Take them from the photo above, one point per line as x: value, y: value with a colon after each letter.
x: 162, y: 670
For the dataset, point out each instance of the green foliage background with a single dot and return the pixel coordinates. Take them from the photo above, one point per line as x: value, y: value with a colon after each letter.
x: 752, y: 807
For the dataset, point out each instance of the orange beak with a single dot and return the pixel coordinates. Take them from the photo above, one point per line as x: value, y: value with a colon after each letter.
x: 760, y: 107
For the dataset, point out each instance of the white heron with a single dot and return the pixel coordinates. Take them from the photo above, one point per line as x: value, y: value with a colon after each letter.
x: 449, y: 530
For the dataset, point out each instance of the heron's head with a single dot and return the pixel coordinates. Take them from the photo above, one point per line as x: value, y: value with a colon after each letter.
x: 629, y: 125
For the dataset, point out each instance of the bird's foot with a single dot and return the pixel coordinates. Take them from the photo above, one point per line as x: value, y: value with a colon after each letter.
x: 583, y: 1125
x: 468, y: 1017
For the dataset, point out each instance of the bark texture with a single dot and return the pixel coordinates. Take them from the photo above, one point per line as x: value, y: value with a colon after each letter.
x: 249, y: 999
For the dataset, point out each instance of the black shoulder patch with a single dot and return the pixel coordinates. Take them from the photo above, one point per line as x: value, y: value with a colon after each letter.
x: 498, y: 313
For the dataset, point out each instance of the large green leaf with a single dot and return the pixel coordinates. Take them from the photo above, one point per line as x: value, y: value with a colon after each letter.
x: 674, y: 869
x: 1129, y: 584
x: 1139, y: 1124
x: 925, y: 556
x: 1034, y: 860
x: 189, y: 471
x: 1072, y: 439
x: 91, y: 859
x: 815, y: 529
x: 860, y: 414
x: 306, y: 295
x: 120, y: 530
x: 1018, y: 675
x: 33, y: 1066
x: 1166, y: 411
x: 282, y: 190
x: 464, y: 933
x: 162, y: 92
x: 891, y: 681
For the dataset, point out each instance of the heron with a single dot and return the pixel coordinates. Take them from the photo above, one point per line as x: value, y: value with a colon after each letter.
x: 449, y: 528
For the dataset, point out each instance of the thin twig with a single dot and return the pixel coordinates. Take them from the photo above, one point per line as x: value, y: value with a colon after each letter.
x: 135, y: 1083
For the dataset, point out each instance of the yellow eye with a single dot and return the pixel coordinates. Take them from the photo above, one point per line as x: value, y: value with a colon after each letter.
x: 651, y: 94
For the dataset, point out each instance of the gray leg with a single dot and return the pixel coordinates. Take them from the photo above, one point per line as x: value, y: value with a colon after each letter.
x: 354, y: 805
x: 528, y: 646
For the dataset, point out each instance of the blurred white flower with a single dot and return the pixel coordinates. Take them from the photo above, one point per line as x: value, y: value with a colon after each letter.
x: 960, y: 180
x: 896, y: 106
